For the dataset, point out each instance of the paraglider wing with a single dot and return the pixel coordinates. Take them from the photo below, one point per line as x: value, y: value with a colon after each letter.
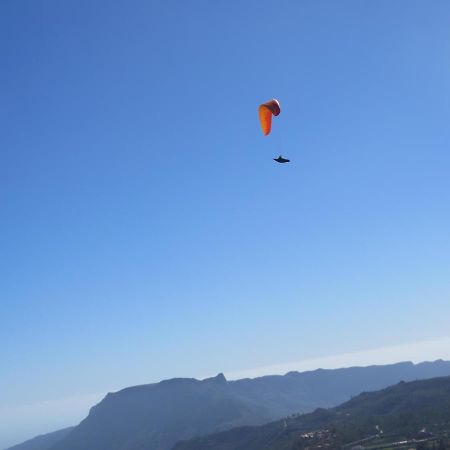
x: 266, y: 111
x: 281, y: 160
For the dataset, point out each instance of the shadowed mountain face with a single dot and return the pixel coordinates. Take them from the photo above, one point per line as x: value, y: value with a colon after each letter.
x: 299, y: 392
x: 395, y: 414
x: 156, y: 416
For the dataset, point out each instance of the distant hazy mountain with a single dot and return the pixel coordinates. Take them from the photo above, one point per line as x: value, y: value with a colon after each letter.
x: 418, y: 409
x: 43, y: 442
x: 156, y: 416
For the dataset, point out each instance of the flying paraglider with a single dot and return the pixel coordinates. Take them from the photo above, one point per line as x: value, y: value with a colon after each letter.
x: 266, y: 111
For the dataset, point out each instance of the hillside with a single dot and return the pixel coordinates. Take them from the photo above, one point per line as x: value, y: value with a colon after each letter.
x: 392, y: 417
x: 43, y: 442
x: 156, y: 416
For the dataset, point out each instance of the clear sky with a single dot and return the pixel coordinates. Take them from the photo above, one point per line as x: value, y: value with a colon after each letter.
x: 146, y: 231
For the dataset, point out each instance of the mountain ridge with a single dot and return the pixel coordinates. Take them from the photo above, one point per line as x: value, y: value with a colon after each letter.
x: 155, y: 416
x: 403, y: 412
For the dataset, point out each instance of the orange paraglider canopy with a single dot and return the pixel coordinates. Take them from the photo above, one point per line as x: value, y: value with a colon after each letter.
x: 266, y: 111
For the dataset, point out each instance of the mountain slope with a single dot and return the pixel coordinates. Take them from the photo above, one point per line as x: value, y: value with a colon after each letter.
x: 401, y: 410
x: 298, y: 392
x: 43, y: 442
x: 156, y: 416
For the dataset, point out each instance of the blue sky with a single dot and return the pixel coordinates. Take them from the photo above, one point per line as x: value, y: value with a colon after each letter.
x: 146, y: 232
